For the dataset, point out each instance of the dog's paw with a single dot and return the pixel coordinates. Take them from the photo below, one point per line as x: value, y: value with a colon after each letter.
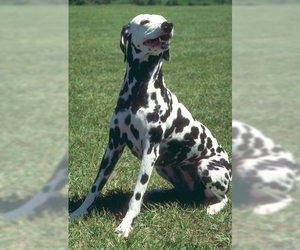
x: 75, y: 214
x: 271, y: 208
x: 15, y: 213
x: 260, y: 210
x: 123, y: 229
x: 215, y: 208
x: 266, y: 209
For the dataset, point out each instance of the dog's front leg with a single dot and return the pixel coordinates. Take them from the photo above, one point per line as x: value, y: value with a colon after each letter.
x: 134, y: 207
x: 107, y: 165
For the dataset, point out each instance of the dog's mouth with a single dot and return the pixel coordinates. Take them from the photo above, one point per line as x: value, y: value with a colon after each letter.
x: 161, y: 41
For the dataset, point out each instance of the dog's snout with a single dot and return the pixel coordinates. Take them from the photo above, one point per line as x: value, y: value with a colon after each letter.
x: 167, y: 27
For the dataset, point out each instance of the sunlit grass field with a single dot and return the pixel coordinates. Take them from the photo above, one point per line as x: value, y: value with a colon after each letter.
x: 34, y: 121
x: 199, y: 73
x: 266, y: 95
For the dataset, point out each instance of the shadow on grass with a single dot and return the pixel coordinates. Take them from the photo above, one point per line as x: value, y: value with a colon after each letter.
x: 116, y: 201
x: 55, y: 204
x: 47, y: 198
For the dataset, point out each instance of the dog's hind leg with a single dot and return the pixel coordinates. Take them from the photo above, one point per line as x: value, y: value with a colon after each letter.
x: 270, y: 181
x: 216, y: 176
x: 109, y: 160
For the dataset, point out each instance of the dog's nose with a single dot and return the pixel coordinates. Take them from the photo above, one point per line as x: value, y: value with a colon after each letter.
x: 167, y: 27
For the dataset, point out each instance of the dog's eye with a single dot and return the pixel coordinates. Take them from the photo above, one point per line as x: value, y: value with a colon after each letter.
x: 145, y: 21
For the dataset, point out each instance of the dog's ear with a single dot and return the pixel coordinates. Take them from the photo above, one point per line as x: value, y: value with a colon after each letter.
x: 123, y: 40
x: 166, y: 55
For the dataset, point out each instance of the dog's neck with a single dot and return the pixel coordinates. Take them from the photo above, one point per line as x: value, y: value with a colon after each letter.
x: 141, y: 78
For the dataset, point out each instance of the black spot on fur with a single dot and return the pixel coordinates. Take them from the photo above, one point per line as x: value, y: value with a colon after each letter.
x: 46, y: 189
x: 277, y: 149
x: 135, y: 132
x: 219, y: 186
x: 140, y: 97
x: 169, y: 131
x: 235, y: 132
x: 124, y: 89
x: 209, y: 143
x: 254, y: 179
x: 104, y: 164
x: 206, y: 179
x: 153, y: 96
x: 246, y: 136
x: 101, y: 185
x: 258, y: 143
x: 165, y: 116
x: 159, y: 84
x: 125, y: 140
x: 202, y: 142
x: 201, y: 147
x: 115, y: 134
x: 219, y: 149
x: 150, y: 149
x: 276, y: 185
x: 204, y: 152
x: 137, y: 51
x: 110, y: 145
x: 195, y: 132
x: 189, y: 140
x: 154, y: 116
x: 138, y: 196
x: 144, y: 179
x: 123, y: 104
x: 243, y: 147
x: 205, y: 172
x: 112, y: 163
x: 180, y: 122
x: 128, y: 120
x: 156, y: 134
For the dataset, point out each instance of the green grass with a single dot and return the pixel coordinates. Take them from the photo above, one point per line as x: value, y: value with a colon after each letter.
x: 34, y: 119
x: 266, y: 95
x: 199, y: 74
x: 152, y: 2
x: 265, y: 2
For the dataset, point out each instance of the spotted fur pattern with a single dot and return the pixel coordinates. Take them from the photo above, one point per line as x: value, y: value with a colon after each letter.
x: 57, y: 181
x: 262, y: 169
x: 157, y: 128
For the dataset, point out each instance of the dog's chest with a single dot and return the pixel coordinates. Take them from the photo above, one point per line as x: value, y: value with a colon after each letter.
x: 134, y: 124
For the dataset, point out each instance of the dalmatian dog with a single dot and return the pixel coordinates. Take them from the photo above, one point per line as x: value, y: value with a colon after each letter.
x: 262, y: 169
x: 58, y: 180
x: 157, y: 128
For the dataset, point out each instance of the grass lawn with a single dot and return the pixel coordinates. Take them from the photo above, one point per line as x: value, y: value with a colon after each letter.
x: 199, y: 74
x: 34, y: 120
x: 266, y: 94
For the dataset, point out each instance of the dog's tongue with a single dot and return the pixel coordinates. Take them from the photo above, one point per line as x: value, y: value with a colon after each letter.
x: 152, y: 42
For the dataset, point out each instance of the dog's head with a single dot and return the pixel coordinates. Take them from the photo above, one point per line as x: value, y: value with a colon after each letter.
x: 148, y: 35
